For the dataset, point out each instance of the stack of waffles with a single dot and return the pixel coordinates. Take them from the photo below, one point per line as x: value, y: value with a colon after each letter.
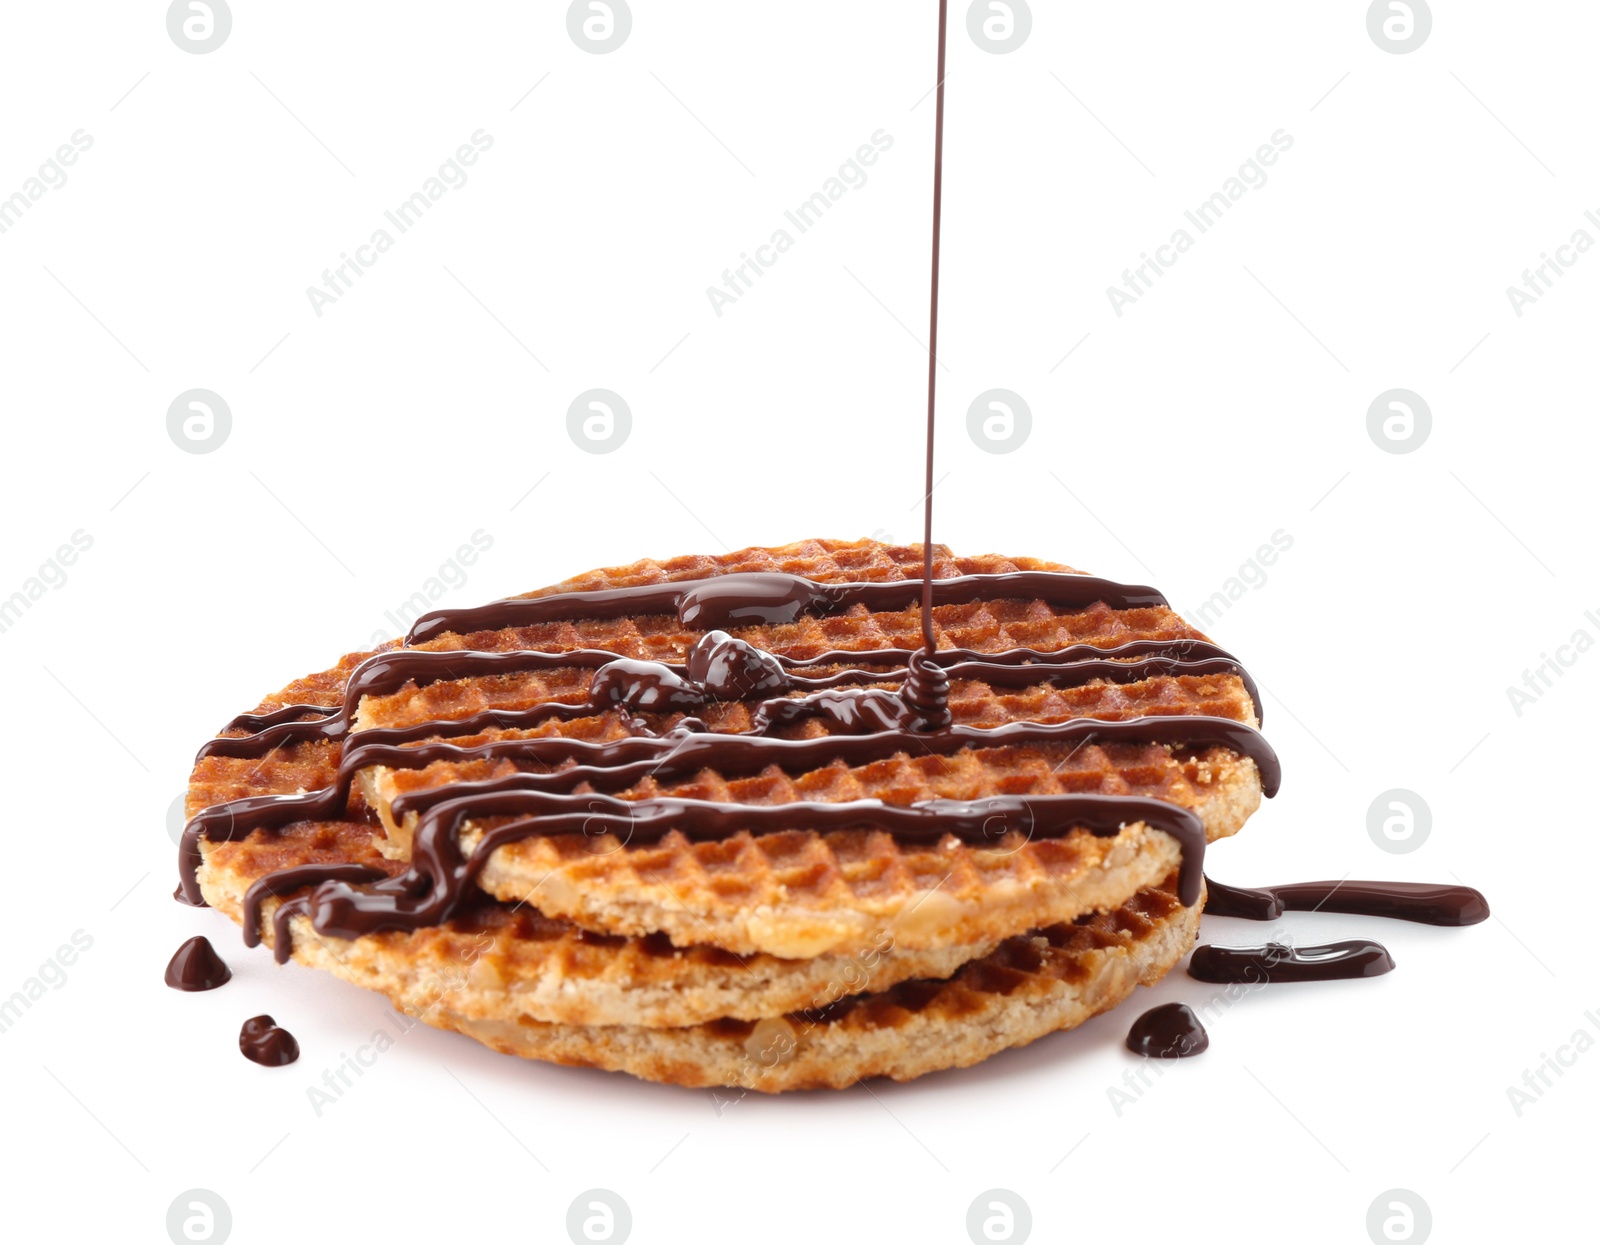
x: 771, y: 961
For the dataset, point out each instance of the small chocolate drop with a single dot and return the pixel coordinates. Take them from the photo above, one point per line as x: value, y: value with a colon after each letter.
x: 197, y: 966
x: 261, y: 1041
x: 1171, y: 1031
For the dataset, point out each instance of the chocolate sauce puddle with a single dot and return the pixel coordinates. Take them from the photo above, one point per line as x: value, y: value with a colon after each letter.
x: 1426, y: 903
x: 1275, y: 962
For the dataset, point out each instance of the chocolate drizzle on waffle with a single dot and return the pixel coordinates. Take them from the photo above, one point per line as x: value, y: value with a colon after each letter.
x: 385, y: 673
x: 430, y: 891
x: 771, y: 598
x: 718, y: 667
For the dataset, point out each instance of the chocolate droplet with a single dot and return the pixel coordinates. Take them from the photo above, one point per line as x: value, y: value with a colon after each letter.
x: 1171, y: 1031
x: 197, y: 966
x: 261, y: 1041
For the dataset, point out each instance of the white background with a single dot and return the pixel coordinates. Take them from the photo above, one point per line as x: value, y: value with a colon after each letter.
x: 369, y: 442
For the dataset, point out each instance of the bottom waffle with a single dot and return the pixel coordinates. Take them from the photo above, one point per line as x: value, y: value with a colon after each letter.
x: 1031, y: 985
x: 639, y: 1006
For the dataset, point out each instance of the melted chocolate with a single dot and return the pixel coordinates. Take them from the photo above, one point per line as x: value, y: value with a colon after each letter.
x: 929, y: 641
x: 1426, y: 903
x: 439, y: 877
x: 731, y: 669
x: 262, y: 1041
x: 617, y: 764
x: 757, y: 600
x: 1171, y: 1031
x: 774, y: 599
x: 647, y: 686
x: 1336, y: 961
x: 926, y: 694
x: 1241, y: 901
x: 197, y: 966
x: 857, y: 711
x: 254, y: 722
x: 285, y: 882
x: 388, y: 672
x: 384, y: 673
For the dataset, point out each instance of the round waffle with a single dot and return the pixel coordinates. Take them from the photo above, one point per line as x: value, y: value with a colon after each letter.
x: 803, y: 893
x: 850, y: 952
x: 1051, y: 979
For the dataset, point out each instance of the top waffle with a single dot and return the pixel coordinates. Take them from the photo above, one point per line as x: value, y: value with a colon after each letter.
x: 800, y: 893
